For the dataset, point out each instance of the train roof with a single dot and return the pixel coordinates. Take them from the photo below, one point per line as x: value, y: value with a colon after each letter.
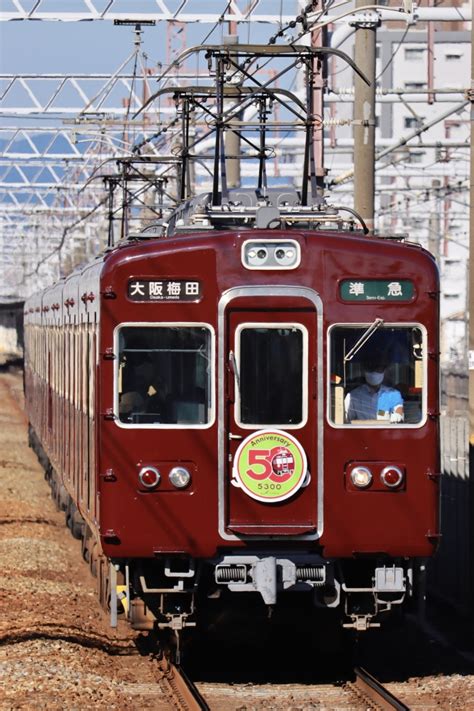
x: 333, y: 235
x: 341, y: 239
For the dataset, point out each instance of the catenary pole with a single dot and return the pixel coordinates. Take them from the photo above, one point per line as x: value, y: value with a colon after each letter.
x: 364, y: 117
x: 232, y: 138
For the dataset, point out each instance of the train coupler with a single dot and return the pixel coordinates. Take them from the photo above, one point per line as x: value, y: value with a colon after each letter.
x: 269, y: 575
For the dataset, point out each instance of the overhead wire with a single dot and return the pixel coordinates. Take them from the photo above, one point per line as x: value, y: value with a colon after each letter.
x: 393, y: 54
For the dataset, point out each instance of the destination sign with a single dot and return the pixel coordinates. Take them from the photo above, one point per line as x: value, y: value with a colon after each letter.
x: 164, y: 290
x: 376, y: 290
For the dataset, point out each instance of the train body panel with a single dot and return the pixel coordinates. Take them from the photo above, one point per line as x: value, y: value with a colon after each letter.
x: 362, y: 521
x: 248, y: 372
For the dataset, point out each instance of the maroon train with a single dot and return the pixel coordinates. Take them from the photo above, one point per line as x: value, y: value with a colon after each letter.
x: 189, y: 395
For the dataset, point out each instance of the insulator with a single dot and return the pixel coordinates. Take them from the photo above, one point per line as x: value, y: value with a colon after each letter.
x: 231, y: 574
x: 310, y: 572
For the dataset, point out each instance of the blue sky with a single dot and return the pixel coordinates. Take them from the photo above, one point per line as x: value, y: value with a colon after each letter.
x: 32, y: 46
x: 81, y: 47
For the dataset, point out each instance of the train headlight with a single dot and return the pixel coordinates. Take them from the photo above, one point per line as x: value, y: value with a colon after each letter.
x: 271, y: 254
x: 149, y: 477
x: 361, y: 477
x: 179, y: 477
x: 391, y: 476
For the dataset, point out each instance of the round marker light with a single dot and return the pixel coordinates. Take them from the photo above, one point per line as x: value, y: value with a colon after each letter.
x: 149, y: 477
x: 391, y: 476
x: 361, y: 477
x: 179, y: 477
x: 290, y: 254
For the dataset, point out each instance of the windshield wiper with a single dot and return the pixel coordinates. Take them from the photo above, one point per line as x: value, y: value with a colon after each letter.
x: 364, y: 338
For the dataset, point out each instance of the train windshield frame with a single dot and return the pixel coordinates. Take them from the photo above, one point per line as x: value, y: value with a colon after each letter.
x: 272, y: 375
x: 377, y: 375
x: 164, y: 375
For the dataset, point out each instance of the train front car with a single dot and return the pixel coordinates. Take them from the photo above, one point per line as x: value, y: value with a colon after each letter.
x: 235, y: 467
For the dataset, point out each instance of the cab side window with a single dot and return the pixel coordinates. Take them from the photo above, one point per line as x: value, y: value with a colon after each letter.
x: 377, y: 375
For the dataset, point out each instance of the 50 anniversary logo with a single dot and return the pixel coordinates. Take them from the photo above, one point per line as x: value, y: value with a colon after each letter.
x: 270, y: 466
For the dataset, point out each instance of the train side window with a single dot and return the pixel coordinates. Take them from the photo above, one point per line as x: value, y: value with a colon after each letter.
x: 377, y: 375
x: 164, y: 375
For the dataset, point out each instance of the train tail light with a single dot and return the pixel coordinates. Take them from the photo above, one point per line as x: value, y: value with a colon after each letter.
x: 179, y: 477
x: 361, y: 477
x: 391, y: 476
x: 149, y: 477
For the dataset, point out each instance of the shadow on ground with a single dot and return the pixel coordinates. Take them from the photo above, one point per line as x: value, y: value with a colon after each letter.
x: 401, y: 650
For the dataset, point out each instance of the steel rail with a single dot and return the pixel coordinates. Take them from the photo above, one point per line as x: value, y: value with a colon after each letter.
x: 373, y: 690
x: 183, y: 690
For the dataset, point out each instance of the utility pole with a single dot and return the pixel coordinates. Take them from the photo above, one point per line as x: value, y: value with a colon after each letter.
x: 232, y: 137
x: 364, y: 115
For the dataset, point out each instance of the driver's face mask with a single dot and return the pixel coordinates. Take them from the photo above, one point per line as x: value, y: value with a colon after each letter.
x: 373, y: 377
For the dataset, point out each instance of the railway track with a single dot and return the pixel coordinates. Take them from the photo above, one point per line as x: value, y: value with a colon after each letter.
x: 179, y: 688
x: 365, y: 692
x: 372, y: 691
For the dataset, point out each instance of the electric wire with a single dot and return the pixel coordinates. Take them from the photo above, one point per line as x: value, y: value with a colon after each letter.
x: 394, y: 54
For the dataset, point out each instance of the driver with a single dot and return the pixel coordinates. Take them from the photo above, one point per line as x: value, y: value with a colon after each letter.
x: 373, y: 400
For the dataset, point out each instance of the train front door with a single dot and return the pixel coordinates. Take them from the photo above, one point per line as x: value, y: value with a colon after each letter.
x: 272, y: 415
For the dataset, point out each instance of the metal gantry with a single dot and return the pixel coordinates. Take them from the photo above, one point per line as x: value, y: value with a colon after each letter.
x: 93, y: 96
x: 188, y: 11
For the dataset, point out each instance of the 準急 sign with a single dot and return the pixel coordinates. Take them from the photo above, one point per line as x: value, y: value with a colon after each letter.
x: 376, y: 289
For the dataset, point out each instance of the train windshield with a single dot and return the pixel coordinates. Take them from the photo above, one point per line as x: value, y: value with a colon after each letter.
x: 270, y: 375
x: 377, y: 375
x: 164, y: 375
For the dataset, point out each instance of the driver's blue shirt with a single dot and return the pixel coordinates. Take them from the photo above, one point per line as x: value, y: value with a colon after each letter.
x: 363, y: 403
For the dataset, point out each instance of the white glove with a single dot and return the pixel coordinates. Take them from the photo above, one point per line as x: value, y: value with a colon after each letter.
x: 396, y: 417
